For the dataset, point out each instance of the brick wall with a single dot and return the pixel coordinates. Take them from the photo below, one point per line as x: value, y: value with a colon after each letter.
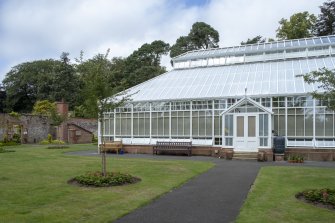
x: 78, y: 135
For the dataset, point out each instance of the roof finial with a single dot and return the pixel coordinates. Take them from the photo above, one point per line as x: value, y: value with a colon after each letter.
x: 245, y: 92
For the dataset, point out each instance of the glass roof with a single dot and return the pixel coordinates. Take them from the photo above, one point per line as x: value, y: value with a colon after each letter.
x: 254, y: 48
x: 261, y: 78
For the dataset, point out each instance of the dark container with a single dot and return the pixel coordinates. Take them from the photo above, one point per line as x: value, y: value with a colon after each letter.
x: 278, y: 145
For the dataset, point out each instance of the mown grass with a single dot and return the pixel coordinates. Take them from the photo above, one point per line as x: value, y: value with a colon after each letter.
x: 272, y: 198
x: 33, y: 185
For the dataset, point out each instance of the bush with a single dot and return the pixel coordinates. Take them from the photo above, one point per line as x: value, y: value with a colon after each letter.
x: 59, y: 142
x: 16, y: 138
x: 58, y: 147
x: 295, y: 159
x: 3, y: 150
x: 49, y: 138
x: 56, y: 142
x: 14, y: 114
x: 44, y: 142
x: 9, y: 143
x: 94, y: 139
x: 96, y: 179
x: 324, y: 196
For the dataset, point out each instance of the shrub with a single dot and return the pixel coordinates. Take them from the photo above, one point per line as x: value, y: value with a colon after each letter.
x: 44, y: 142
x: 325, y: 196
x: 9, y: 143
x: 58, y: 142
x: 16, y: 138
x: 96, y: 179
x: 296, y: 159
x: 47, y: 142
x: 14, y: 114
x: 49, y: 138
x: 94, y: 139
x: 58, y: 147
x: 3, y: 150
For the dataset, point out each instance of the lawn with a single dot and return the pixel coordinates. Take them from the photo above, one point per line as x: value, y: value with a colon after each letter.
x: 272, y: 196
x: 33, y: 185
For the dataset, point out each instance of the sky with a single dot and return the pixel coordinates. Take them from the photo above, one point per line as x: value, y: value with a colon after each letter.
x: 42, y: 29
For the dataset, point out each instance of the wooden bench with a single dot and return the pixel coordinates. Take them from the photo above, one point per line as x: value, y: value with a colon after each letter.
x: 109, y: 147
x: 174, y: 147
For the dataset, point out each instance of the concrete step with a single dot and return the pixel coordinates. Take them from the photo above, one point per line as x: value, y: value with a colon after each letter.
x: 245, y: 155
x: 244, y: 158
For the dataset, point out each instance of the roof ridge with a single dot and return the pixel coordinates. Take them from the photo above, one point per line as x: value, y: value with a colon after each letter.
x: 246, y: 45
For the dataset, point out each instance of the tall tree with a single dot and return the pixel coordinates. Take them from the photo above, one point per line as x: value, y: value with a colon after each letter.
x: 144, y: 63
x: 325, y: 24
x: 66, y: 83
x: 50, y: 79
x: 300, y: 25
x: 325, y: 79
x: 102, y: 93
x: 201, y: 36
x: 182, y: 45
x: 257, y: 39
x: 27, y: 82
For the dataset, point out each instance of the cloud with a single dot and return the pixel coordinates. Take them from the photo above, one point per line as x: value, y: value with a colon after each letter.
x: 36, y: 29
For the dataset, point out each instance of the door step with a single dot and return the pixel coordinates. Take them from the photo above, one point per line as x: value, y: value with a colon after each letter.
x: 245, y: 155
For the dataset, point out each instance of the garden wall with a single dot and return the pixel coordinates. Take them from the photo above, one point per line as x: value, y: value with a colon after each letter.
x: 33, y: 128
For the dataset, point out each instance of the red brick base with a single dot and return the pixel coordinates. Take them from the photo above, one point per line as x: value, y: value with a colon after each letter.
x: 307, y: 153
x: 312, y: 154
x: 196, y: 150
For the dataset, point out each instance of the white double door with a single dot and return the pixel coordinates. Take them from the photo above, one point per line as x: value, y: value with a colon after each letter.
x: 246, y: 132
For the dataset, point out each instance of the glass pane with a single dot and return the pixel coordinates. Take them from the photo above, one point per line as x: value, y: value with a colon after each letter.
x: 240, y: 126
x: 317, y: 40
x: 251, y: 126
x: 229, y: 125
x: 266, y: 125
x: 261, y: 125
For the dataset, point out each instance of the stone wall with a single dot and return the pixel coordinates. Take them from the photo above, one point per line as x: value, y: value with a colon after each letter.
x: 34, y: 128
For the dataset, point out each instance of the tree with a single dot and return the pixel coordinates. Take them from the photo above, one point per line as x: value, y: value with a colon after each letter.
x: 326, y: 82
x: 27, y: 82
x: 257, y: 39
x: 48, y: 108
x: 325, y: 24
x: 300, y: 25
x: 50, y: 79
x: 182, y: 45
x: 102, y: 94
x: 201, y: 36
x: 44, y: 107
x: 143, y: 64
x: 66, y: 83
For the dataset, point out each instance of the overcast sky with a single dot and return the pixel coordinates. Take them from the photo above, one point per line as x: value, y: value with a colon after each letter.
x: 42, y: 29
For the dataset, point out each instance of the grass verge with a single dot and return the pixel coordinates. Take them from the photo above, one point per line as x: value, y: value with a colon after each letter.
x: 272, y: 198
x: 33, y: 185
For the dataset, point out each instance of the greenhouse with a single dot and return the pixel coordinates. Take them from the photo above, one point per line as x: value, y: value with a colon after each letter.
x: 234, y: 97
